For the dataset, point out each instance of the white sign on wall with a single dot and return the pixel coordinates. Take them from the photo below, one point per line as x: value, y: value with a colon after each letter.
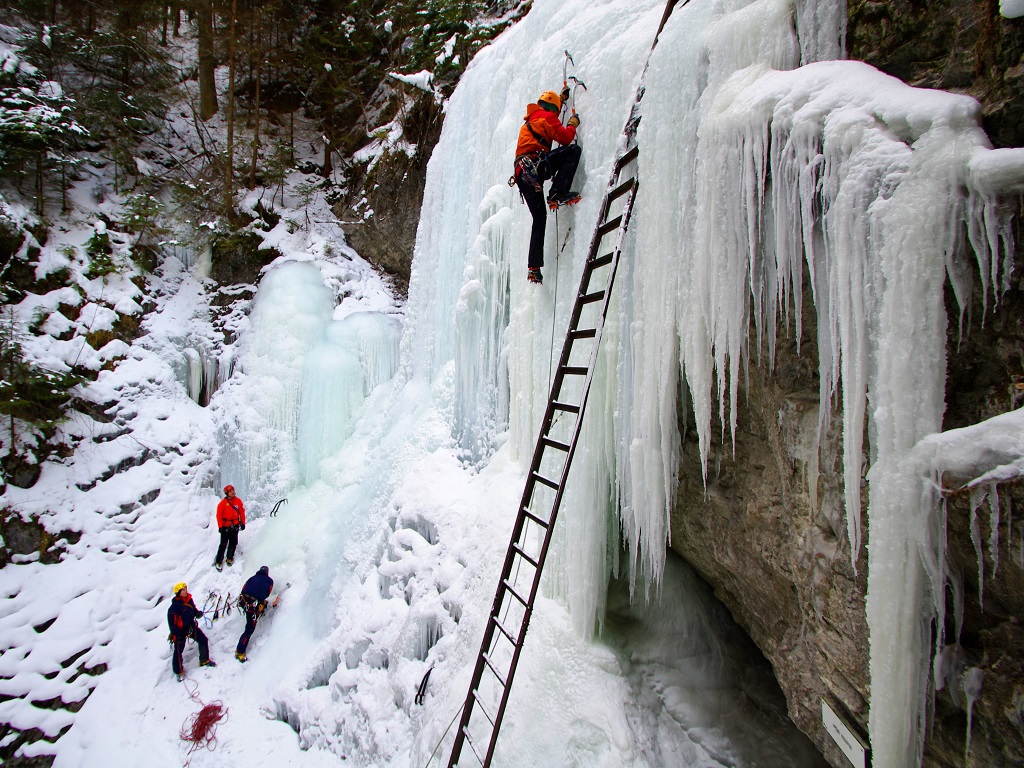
x: 849, y: 742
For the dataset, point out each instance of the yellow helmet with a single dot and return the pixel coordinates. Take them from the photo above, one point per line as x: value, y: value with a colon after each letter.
x: 551, y: 98
x: 180, y: 586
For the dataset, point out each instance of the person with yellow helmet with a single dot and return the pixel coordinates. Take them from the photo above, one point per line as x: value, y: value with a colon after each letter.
x: 536, y: 162
x: 181, y: 618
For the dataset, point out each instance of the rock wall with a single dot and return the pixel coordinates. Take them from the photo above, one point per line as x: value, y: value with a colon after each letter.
x: 782, y: 564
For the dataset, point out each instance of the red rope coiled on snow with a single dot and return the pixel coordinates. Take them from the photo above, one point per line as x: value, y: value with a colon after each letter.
x: 201, y: 728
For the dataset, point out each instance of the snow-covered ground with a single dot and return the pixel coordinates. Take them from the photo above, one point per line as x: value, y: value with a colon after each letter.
x: 402, y: 461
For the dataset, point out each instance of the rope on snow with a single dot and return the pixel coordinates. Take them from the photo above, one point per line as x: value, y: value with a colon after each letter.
x: 200, y: 729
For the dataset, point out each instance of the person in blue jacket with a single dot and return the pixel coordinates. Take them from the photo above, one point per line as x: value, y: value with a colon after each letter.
x: 181, y: 618
x: 253, y: 600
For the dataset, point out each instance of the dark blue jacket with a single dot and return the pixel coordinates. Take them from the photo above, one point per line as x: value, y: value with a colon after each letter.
x: 182, y: 615
x: 259, y: 586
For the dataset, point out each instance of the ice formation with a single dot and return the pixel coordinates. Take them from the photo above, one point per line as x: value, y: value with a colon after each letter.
x: 753, y: 169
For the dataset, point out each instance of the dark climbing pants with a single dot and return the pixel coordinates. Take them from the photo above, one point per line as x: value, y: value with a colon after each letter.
x: 228, y: 540
x: 179, y: 649
x: 561, y: 165
x: 251, y: 617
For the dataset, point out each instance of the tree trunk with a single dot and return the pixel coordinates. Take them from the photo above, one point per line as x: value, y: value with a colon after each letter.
x: 207, y: 61
x: 40, y: 192
x: 257, y: 48
x: 229, y: 169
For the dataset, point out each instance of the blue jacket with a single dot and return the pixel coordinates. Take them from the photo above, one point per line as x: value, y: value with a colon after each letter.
x: 259, y: 586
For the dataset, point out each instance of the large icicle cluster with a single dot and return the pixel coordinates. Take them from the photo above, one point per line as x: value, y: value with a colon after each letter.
x: 869, y: 186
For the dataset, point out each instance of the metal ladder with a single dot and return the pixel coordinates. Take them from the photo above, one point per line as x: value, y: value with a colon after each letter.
x: 505, y: 632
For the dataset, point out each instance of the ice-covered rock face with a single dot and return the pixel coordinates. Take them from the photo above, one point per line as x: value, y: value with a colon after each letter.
x: 754, y: 172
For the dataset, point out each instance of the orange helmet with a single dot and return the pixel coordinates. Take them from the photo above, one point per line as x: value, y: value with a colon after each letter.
x: 551, y: 98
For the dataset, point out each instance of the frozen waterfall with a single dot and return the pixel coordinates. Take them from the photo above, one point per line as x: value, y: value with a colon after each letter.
x: 765, y: 167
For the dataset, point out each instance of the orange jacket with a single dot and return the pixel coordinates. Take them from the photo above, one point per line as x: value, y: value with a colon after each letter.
x: 547, y: 128
x: 230, y: 512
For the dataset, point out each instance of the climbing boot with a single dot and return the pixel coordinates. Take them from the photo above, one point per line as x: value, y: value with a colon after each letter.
x: 568, y: 198
x: 240, y: 657
x: 534, y: 276
x: 181, y: 677
x: 218, y: 566
x: 230, y: 562
x: 208, y: 663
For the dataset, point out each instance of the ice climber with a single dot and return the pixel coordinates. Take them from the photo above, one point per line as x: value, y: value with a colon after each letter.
x: 536, y: 162
x: 253, y: 601
x: 181, y: 618
x: 230, y: 519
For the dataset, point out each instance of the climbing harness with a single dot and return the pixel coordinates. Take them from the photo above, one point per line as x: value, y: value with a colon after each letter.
x: 250, y: 604
x: 533, y: 168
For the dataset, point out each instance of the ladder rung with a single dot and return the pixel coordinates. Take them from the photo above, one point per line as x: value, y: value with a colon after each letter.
x: 494, y: 669
x: 544, y: 480
x: 481, y: 708
x: 622, y: 189
x: 554, y: 443
x: 586, y: 333
x: 525, y: 556
x: 565, y: 406
x: 590, y: 298
x: 515, y: 594
x: 609, y: 226
x: 627, y: 158
x: 472, y: 746
x: 539, y: 521
x: 505, y: 632
x: 600, y: 261
x: 574, y: 370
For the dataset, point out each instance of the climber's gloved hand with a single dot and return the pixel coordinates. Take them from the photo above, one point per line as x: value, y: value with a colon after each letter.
x: 565, y: 94
x: 243, y: 526
x: 574, y: 121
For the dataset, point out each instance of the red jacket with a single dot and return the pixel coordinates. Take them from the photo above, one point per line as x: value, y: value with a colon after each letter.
x: 547, y: 128
x: 230, y: 512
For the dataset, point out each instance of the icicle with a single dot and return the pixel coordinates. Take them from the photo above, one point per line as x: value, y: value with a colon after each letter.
x: 971, y: 682
x: 977, y: 498
x: 993, y: 536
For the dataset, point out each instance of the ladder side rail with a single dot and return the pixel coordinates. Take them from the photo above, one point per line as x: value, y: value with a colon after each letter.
x: 489, y: 628
x: 531, y: 483
x: 556, y: 505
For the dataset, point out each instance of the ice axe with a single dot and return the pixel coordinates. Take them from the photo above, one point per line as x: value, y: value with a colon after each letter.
x: 576, y: 83
x: 273, y: 512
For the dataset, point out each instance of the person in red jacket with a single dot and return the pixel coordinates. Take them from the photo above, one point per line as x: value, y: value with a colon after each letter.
x: 230, y: 519
x: 536, y: 162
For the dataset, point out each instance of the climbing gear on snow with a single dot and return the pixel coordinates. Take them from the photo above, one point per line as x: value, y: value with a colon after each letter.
x: 273, y: 512
x: 422, y: 690
x: 201, y: 728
